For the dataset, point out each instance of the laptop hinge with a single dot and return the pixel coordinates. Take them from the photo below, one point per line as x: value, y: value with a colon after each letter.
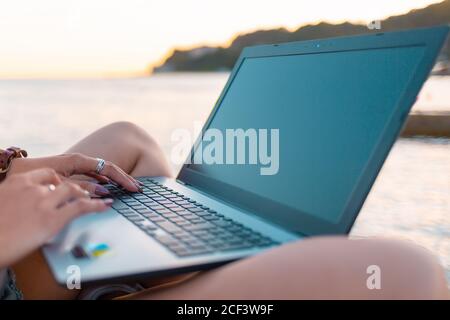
x: 233, y: 205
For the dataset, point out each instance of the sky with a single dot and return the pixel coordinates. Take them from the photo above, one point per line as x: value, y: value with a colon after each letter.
x: 102, y: 38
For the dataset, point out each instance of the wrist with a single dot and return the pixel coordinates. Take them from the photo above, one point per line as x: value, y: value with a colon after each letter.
x: 18, y: 165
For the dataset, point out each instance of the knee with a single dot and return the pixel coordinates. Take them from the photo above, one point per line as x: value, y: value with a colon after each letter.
x: 416, y: 272
x: 145, y: 156
x: 132, y: 133
x: 405, y: 270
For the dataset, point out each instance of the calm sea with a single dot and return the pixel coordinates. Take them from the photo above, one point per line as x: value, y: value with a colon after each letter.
x: 410, y: 199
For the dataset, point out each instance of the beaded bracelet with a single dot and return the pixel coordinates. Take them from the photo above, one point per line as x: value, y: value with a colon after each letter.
x: 6, y: 158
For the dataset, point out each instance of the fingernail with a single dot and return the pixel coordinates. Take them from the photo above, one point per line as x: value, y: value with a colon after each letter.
x: 138, y: 183
x: 139, y: 188
x: 101, y: 191
x: 108, y: 201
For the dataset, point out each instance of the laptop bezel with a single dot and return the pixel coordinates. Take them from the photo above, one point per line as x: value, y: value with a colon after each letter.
x: 294, y: 220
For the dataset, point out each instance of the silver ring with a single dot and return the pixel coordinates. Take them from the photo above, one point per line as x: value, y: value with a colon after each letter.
x: 100, y: 165
x: 51, y: 187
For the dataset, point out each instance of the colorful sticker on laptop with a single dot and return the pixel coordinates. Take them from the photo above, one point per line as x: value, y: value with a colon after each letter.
x: 97, y: 250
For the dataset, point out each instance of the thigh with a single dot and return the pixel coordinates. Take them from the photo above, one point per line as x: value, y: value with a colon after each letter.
x: 320, y: 268
x: 35, y: 280
x: 128, y: 146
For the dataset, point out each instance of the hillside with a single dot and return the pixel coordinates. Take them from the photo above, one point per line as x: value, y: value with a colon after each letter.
x: 223, y: 58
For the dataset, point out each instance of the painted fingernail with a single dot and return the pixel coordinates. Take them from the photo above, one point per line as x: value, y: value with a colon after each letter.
x: 101, y: 191
x: 139, y: 187
x: 138, y: 183
x: 108, y: 201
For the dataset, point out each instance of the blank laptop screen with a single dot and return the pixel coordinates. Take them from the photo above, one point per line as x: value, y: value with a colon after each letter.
x: 330, y: 110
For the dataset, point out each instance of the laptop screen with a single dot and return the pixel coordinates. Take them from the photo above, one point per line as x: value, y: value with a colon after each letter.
x: 310, y: 123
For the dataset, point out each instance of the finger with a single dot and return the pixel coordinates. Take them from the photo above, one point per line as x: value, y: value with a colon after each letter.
x: 65, y: 192
x: 83, y: 165
x: 94, y: 189
x: 99, y: 178
x: 136, y: 181
x: 44, y: 176
x: 79, y: 207
x: 118, y: 176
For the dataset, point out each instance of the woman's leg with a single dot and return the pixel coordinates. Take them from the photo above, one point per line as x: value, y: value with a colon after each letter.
x: 128, y: 146
x: 314, y: 268
x: 132, y: 149
x: 318, y: 268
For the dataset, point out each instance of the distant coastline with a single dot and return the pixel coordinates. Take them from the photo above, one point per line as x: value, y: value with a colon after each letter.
x: 222, y: 58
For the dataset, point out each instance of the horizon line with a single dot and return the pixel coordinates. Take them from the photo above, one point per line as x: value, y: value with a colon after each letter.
x: 148, y: 70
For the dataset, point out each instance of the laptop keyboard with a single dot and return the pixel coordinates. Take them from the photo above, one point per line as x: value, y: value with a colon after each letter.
x: 182, y: 225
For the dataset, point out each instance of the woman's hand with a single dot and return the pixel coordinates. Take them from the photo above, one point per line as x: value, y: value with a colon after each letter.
x: 78, y: 164
x: 34, y: 206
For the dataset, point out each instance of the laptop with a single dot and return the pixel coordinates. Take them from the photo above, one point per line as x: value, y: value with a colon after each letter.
x: 290, y: 150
